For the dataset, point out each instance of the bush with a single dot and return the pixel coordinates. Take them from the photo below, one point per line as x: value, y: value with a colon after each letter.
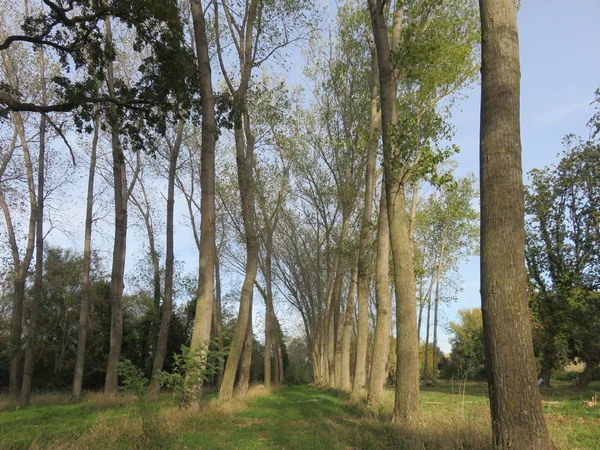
x: 190, y: 369
x: 562, y: 375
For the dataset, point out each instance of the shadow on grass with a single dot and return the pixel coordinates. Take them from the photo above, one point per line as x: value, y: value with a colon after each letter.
x: 303, y: 417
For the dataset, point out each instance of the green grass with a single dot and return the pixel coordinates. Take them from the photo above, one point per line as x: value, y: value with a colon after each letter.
x: 454, y: 416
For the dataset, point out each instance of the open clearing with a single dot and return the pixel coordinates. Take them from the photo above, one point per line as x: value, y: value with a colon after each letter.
x: 455, y: 416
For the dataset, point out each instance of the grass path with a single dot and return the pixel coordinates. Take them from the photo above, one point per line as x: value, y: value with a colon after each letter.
x: 298, y: 417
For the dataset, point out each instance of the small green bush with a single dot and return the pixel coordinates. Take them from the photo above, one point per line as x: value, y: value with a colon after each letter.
x: 190, y: 369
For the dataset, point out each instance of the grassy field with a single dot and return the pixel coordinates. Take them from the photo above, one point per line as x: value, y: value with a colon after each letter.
x: 454, y: 416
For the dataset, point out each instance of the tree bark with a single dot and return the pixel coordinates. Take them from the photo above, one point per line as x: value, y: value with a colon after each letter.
x: 245, y: 164
x: 246, y: 358
x: 345, y: 382
x: 406, y: 408
x: 585, y: 377
x: 364, y: 261
x: 205, y: 296
x: 381, y: 345
x: 546, y: 372
x: 86, y: 282
x: 144, y: 207
x: 334, y: 341
x: 517, y: 417
x: 426, y: 347
x: 436, y: 303
x: 269, y: 311
x: 119, y: 247
x: 167, y: 307
x: 20, y: 266
x: 244, y: 146
x: 39, y: 252
x: 218, y: 330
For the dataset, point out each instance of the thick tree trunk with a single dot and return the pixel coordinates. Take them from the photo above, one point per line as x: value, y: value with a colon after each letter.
x: 381, y: 345
x: 406, y: 407
x: 585, y: 377
x: 345, y: 383
x: 205, y: 296
x: 517, y: 417
x: 167, y: 307
x: 119, y: 247
x: 39, y: 253
x: 86, y: 282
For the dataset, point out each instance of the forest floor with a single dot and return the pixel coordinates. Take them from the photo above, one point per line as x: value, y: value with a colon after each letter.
x: 454, y: 416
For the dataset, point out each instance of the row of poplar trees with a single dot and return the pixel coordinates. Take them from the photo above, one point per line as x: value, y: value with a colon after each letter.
x: 418, y: 53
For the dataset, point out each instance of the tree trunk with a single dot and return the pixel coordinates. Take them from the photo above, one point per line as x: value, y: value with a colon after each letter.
x: 16, y: 330
x: 406, y: 408
x: 517, y: 417
x: 381, y: 345
x: 246, y: 358
x: 118, y: 262
x: 20, y: 266
x: 269, y: 311
x: 244, y: 144
x: 435, y: 324
x: 345, y: 383
x: 364, y: 261
x: 145, y: 209
x: 334, y: 341
x: 167, y: 307
x: 39, y: 253
x: 437, y: 302
x: 546, y: 372
x: 426, y: 347
x: 420, y: 318
x: 205, y: 296
x: 219, y: 322
x: 279, y: 348
x: 585, y: 377
x: 86, y: 282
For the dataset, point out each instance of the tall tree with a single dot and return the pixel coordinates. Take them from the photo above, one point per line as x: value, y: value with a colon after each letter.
x: 517, y: 416
x: 257, y: 30
x: 406, y: 406
x: 167, y: 305
x: 86, y: 282
x: 562, y: 256
x: 362, y: 338
x: 205, y: 293
x: 121, y: 195
x: 30, y: 346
